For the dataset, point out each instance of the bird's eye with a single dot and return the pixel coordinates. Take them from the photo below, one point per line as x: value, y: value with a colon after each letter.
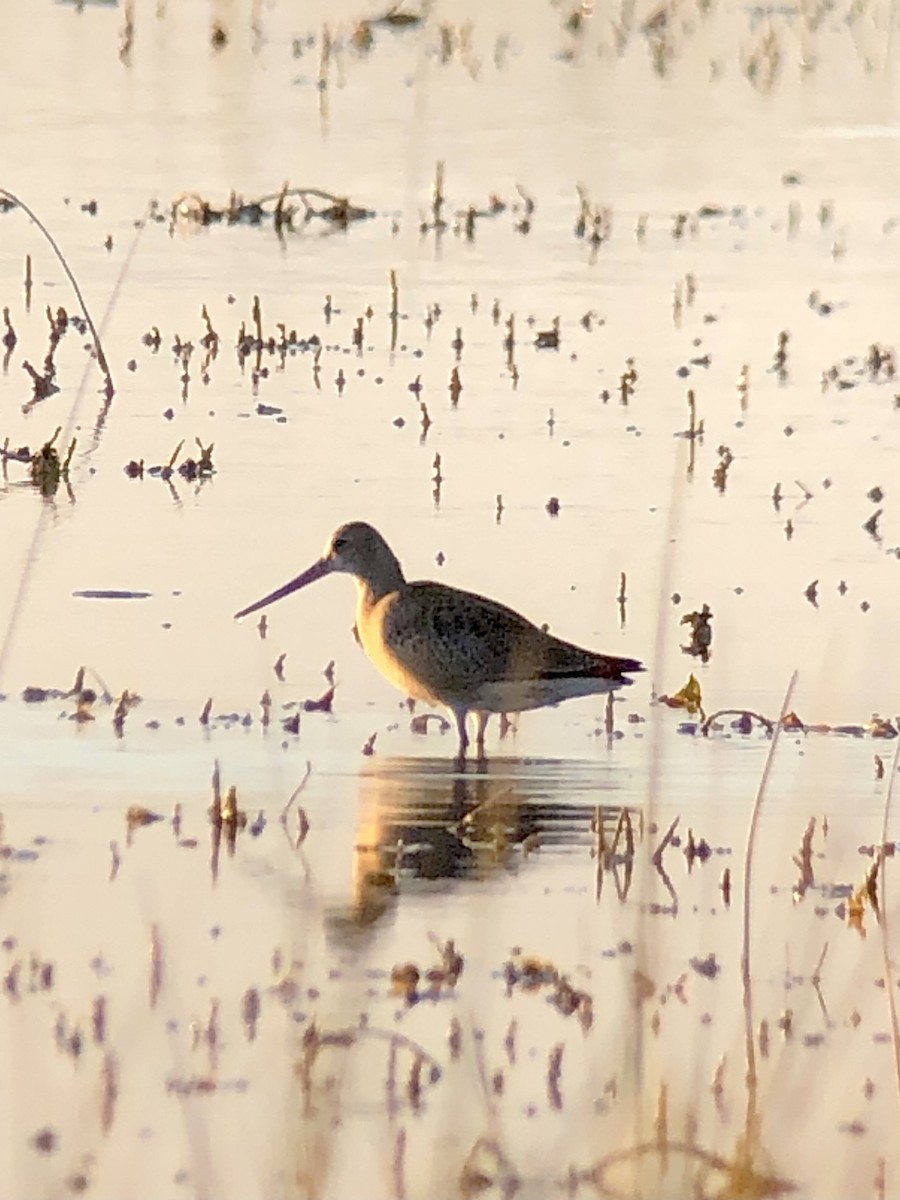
x: 339, y: 543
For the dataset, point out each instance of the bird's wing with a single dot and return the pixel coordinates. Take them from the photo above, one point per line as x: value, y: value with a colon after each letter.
x: 456, y: 641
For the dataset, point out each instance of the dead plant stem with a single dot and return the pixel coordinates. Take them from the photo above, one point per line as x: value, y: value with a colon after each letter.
x: 101, y: 357
x: 751, y: 1129
x: 885, y: 932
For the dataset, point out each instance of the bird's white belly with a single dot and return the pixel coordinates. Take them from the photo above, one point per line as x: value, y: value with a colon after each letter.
x: 518, y: 695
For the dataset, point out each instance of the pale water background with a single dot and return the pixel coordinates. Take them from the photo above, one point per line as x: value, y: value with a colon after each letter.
x: 747, y: 159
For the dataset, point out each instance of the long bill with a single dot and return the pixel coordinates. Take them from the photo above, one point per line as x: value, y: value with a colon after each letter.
x: 310, y: 575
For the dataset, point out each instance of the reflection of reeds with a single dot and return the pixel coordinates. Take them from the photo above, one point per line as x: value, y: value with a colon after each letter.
x: 435, y: 1063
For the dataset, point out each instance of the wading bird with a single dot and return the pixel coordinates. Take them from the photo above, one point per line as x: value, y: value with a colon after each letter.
x: 454, y: 648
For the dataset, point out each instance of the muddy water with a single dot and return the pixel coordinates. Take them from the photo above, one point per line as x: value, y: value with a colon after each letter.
x: 186, y: 1013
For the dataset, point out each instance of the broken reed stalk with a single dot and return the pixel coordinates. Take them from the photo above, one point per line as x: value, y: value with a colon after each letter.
x: 101, y: 357
x: 885, y: 939
x: 394, y: 315
x: 751, y: 1129
x: 643, y: 933
x: 437, y: 196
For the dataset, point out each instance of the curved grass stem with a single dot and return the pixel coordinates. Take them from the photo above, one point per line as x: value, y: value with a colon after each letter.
x: 101, y: 357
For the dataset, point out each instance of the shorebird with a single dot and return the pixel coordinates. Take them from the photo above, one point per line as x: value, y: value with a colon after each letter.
x: 453, y: 648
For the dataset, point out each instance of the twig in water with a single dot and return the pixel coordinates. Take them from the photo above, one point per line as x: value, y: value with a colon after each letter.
x: 296, y: 792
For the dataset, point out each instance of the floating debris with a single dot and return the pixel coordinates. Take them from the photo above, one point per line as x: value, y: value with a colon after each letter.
x: 701, y: 633
x: 137, y: 816
x: 323, y: 704
x: 46, y: 469
x: 314, y: 204
x: 190, y: 469
x: 689, y: 698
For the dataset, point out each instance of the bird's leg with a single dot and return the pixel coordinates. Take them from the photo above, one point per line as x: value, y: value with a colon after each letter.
x: 481, y: 720
x: 460, y: 714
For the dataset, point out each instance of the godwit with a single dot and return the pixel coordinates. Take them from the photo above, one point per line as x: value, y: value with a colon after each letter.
x: 450, y: 647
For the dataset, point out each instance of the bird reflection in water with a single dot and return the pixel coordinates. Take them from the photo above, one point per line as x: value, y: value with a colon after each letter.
x: 421, y: 824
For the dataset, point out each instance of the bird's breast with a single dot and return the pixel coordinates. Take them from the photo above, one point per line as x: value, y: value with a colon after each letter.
x: 380, y: 642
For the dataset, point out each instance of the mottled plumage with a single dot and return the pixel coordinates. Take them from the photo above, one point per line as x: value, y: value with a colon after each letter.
x: 451, y: 647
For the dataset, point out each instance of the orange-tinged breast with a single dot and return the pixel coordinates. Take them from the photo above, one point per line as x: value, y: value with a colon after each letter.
x: 372, y: 623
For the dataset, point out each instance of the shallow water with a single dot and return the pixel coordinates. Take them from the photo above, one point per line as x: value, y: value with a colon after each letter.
x: 739, y: 208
